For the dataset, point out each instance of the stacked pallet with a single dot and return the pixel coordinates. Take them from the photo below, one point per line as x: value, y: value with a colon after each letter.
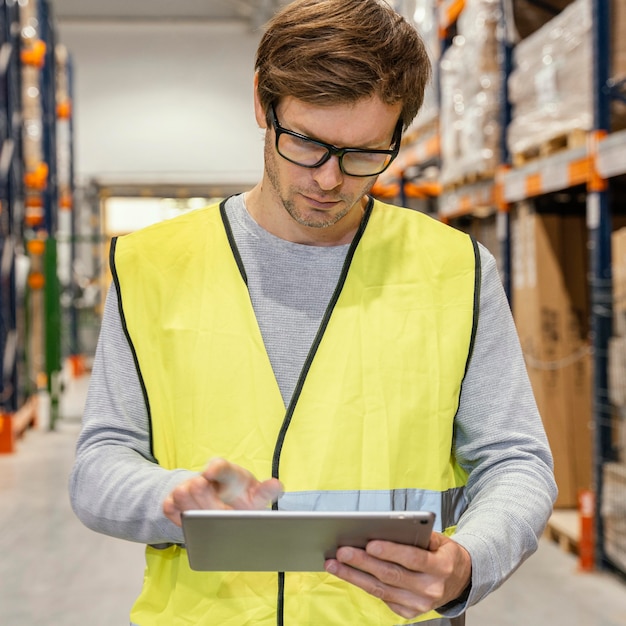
x: 471, y: 86
x: 551, y: 85
x: 423, y: 15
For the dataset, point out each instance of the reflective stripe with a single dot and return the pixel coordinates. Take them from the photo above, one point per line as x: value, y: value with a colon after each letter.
x: 447, y: 506
x: 442, y: 621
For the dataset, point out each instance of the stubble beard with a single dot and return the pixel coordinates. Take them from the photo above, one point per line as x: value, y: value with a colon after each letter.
x: 324, y: 220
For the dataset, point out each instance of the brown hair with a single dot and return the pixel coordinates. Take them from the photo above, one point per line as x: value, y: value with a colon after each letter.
x: 337, y: 51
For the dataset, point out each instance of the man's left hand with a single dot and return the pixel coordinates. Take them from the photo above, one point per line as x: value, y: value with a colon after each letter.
x: 409, y: 580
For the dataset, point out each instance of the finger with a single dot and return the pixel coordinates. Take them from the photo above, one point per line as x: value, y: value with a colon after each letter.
x: 390, y: 574
x: 265, y: 493
x: 410, y: 557
x: 436, y: 540
x: 196, y: 493
x: 171, y: 511
x: 230, y: 481
x: 404, y: 603
x: 404, y: 611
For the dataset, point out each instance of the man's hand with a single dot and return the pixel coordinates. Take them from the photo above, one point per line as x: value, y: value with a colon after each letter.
x: 222, y: 485
x: 411, y: 581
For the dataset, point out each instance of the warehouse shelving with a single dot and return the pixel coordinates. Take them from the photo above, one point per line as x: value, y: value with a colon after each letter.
x: 17, y: 412
x: 588, y: 169
x: 30, y: 327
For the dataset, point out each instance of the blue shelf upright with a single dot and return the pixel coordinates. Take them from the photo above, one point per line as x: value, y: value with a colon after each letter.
x: 599, y: 223
x: 13, y: 384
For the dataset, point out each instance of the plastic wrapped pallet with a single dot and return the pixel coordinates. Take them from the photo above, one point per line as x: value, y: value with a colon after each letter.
x: 550, y: 87
x: 618, y: 59
x: 530, y: 16
x: 422, y: 14
x: 471, y: 96
x: 452, y: 110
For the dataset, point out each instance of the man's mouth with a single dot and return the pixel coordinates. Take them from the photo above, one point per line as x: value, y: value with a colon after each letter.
x: 322, y: 204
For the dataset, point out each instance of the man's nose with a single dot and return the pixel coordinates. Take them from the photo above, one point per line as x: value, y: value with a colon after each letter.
x: 329, y: 175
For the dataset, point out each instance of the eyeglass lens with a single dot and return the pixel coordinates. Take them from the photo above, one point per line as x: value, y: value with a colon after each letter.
x: 308, y: 153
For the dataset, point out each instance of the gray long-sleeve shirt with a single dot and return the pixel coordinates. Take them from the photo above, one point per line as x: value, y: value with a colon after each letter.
x: 117, y: 487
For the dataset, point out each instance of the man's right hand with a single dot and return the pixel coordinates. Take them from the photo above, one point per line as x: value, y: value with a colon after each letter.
x: 222, y: 485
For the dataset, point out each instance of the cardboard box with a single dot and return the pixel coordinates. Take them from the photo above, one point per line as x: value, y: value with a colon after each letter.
x: 617, y: 371
x: 551, y: 311
x: 618, y: 268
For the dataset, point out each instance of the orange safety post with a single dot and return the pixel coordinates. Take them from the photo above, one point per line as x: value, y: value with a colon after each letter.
x: 586, y: 546
x: 77, y: 365
x: 7, y: 438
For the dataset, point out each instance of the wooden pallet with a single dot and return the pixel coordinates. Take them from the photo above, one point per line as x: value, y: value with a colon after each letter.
x: 564, y: 529
x: 575, y: 138
x: 469, y: 179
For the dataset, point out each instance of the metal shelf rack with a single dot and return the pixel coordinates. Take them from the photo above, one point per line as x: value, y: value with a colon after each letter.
x: 16, y: 413
x: 588, y: 168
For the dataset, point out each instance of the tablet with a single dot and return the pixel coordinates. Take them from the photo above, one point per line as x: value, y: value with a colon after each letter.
x: 291, y: 541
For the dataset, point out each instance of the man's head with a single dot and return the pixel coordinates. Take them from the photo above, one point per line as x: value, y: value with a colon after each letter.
x: 329, y: 52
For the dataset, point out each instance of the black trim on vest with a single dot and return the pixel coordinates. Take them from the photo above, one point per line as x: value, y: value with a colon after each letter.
x: 118, y: 289
x: 478, y: 276
x: 231, y: 241
x: 280, y: 614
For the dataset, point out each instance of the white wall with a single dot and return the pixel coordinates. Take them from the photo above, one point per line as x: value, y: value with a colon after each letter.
x: 160, y: 102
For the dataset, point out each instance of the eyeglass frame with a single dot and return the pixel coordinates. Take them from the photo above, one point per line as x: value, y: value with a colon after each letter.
x: 332, y: 150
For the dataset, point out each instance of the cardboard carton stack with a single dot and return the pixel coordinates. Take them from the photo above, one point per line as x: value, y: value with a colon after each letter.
x: 614, y: 512
x: 617, y: 343
x: 551, y: 311
x: 471, y: 96
x: 614, y: 475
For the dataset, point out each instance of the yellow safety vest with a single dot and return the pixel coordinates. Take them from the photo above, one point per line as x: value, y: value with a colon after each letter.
x: 371, y: 423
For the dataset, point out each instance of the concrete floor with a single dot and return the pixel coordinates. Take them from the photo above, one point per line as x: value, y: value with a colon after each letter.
x: 55, y: 572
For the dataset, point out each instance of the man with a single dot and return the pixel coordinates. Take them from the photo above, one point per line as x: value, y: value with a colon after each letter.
x: 319, y: 350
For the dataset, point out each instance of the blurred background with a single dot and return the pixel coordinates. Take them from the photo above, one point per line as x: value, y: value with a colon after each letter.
x: 117, y: 115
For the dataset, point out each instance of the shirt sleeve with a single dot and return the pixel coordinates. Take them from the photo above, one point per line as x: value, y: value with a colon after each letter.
x: 116, y: 486
x: 501, y: 442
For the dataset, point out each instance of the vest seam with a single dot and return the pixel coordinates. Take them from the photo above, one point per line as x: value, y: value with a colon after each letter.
x: 120, y: 305
x: 476, y: 307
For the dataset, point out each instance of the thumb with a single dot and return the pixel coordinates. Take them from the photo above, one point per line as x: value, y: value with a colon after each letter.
x: 436, y: 541
x: 267, y: 492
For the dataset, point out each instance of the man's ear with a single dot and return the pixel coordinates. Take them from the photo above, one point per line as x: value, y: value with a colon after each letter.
x: 259, y: 112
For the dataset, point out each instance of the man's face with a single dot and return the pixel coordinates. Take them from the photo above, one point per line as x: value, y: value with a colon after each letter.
x: 324, y: 198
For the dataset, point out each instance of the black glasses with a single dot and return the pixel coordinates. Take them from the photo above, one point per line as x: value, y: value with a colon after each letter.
x: 307, y: 152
